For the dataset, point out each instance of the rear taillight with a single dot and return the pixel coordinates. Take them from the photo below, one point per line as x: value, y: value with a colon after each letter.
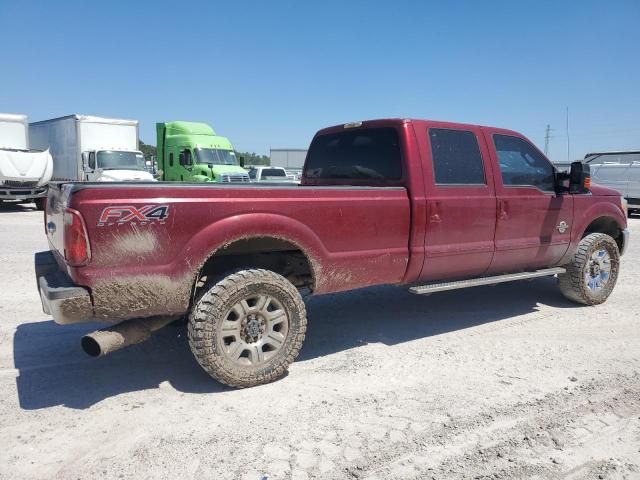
x: 76, y: 240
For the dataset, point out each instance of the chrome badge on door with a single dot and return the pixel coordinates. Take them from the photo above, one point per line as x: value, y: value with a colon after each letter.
x: 562, y: 226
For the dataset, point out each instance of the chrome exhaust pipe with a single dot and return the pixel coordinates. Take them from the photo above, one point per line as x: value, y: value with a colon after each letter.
x: 102, y: 342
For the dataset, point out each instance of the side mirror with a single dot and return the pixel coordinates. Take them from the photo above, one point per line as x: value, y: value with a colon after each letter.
x: 242, y: 162
x: 579, y: 178
x: 85, y: 162
x: 181, y: 158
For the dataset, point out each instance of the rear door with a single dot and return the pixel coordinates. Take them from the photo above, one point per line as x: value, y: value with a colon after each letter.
x: 461, y: 203
x: 533, y: 228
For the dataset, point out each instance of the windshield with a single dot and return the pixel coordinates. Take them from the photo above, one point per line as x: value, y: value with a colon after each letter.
x: 114, y: 160
x: 216, y: 156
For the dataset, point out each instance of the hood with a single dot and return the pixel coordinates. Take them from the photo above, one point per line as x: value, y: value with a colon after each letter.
x: 601, y: 191
x: 25, y: 166
x: 124, y: 176
x: 224, y: 169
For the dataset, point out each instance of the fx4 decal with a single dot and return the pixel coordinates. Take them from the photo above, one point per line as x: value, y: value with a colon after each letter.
x: 127, y: 213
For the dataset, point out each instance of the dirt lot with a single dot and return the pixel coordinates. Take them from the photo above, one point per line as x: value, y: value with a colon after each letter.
x: 508, y: 381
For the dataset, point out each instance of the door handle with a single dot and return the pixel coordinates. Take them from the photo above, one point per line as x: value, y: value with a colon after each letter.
x: 503, y: 211
x: 434, y: 216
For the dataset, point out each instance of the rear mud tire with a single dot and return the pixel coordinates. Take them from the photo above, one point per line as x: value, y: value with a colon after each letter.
x: 573, y: 284
x: 211, y: 312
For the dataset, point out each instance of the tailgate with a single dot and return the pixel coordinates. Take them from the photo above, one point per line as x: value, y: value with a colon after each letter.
x: 54, y: 216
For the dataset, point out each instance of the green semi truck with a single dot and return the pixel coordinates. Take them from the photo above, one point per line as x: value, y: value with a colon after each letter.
x: 192, y: 152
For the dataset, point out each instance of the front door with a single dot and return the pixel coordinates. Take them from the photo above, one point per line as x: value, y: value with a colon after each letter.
x: 461, y: 203
x: 533, y: 228
x: 93, y: 173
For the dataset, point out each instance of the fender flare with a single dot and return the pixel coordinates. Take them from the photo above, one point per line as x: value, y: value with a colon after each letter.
x: 217, y: 236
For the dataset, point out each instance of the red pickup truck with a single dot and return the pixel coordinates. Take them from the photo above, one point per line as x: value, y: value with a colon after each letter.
x: 427, y: 204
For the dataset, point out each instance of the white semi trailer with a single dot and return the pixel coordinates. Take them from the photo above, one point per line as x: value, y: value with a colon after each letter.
x: 95, y: 149
x: 24, y: 173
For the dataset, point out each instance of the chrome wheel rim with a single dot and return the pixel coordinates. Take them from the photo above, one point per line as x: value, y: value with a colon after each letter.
x: 598, y: 270
x: 254, y: 330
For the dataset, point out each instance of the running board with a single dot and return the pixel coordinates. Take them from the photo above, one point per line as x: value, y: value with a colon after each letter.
x: 476, y: 282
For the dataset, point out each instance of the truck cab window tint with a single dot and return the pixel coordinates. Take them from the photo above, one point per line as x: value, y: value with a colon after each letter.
x: 522, y: 165
x: 273, y: 172
x: 456, y: 157
x: 372, y: 153
x: 92, y: 160
x: 185, y: 157
x: 215, y: 156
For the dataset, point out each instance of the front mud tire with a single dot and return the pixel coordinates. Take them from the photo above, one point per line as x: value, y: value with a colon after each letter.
x: 247, y: 328
x: 579, y: 283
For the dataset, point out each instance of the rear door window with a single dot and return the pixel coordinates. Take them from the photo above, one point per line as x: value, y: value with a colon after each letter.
x: 371, y: 153
x: 456, y: 157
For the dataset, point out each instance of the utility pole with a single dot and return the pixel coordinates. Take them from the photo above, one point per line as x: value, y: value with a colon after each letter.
x: 546, y: 139
x: 568, y: 143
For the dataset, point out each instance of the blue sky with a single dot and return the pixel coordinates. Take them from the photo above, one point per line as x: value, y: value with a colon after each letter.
x: 269, y: 74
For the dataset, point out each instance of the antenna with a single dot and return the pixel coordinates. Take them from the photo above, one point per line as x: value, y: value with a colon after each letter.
x: 568, y: 142
x: 547, y: 136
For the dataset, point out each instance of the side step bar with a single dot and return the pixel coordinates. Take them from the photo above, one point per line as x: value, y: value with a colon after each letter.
x: 476, y: 282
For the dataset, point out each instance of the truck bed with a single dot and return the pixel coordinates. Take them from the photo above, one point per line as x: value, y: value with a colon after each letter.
x: 352, y: 236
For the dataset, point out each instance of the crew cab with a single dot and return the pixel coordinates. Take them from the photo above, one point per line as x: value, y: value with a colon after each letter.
x: 427, y: 204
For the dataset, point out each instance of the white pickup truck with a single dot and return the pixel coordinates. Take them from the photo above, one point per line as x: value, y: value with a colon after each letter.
x: 271, y: 175
x: 24, y: 173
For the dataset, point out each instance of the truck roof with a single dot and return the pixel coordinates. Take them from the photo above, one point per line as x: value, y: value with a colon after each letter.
x: 622, y: 152
x: 13, y: 117
x: 90, y: 118
x: 188, y: 128
x: 387, y: 121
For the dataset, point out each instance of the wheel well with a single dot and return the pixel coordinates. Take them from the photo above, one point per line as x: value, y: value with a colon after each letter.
x: 269, y: 253
x: 606, y: 225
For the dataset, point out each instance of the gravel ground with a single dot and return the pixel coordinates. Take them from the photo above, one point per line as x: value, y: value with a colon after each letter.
x: 509, y: 381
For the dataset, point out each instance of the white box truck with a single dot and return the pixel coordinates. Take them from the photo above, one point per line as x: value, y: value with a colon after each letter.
x: 24, y: 173
x: 88, y: 148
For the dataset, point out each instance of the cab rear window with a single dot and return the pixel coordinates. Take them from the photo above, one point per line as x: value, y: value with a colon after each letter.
x: 363, y: 154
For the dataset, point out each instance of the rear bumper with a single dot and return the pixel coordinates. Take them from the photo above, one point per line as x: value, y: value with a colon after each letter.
x: 22, y: 193
x: 625, y: 241
x: 61, y: 298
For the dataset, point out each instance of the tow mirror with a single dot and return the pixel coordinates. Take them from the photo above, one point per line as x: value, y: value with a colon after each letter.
x: 579, y: 178
x: 242, y: 162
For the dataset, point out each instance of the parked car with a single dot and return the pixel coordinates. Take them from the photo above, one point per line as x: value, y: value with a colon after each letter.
x: 430, y: 205
x: 24, y: 173
x: 94, y: 149
x: 193, y: 152
x: 271, y: 174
